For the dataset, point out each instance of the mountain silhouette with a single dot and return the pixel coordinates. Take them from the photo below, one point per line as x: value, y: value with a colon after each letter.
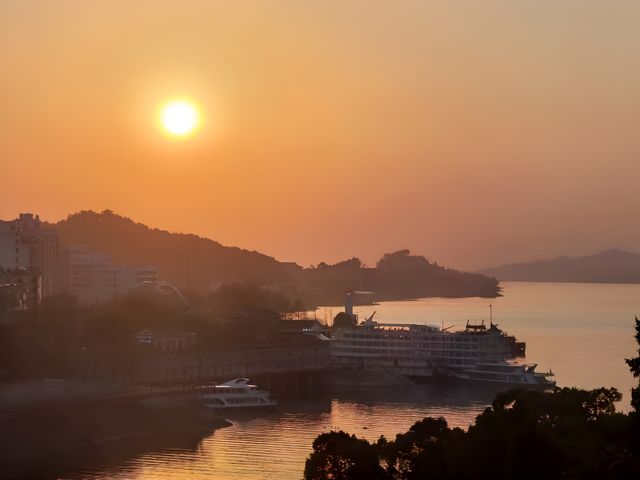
x: 188, y: 261
x: 608, y: 266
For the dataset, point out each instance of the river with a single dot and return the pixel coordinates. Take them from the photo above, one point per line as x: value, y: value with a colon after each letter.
x: 582, y: 332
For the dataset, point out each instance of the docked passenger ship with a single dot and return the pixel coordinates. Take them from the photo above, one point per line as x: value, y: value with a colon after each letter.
x: 421, y: 350
x: 479, y: 353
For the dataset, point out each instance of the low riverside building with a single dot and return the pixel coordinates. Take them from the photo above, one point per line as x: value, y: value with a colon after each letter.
x: 270, y: 328
x: 195, y: 367
x: 293, y: 332
x: 176, y: 358
x: 247, y: 343
x: 167, y: 340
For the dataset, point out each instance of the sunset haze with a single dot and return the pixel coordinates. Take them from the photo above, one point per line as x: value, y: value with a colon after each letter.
x: 474, y: 133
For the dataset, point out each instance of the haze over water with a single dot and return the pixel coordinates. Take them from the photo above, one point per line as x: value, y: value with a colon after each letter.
x: 582, y: 332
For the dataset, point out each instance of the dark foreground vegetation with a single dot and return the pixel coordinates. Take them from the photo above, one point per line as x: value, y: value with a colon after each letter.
x: 567, y: 434
x: 62, y: 339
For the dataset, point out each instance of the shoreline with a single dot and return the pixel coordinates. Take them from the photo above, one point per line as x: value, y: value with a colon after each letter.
x: 49, y: 440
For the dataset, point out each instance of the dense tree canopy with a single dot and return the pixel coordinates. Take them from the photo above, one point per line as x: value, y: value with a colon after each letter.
x: 569, y: 433
x: 634, y: 366
x: 343, y: 320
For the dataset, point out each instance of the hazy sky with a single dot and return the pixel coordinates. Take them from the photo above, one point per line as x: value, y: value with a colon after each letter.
x: 475, y: 132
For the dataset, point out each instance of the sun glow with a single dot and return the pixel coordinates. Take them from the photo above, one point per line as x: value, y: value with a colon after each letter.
x: 179, y: 118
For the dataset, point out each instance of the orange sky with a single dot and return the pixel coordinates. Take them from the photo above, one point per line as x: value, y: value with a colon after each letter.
x: 475, y: 133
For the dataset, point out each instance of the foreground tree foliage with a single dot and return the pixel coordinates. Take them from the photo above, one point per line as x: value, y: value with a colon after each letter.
x: 566, y: 434
x: 570, y: 433
x: 340, y: 456
x: 634, y: 366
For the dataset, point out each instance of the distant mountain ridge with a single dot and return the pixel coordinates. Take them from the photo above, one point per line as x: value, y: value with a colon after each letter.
x: 608, y: 266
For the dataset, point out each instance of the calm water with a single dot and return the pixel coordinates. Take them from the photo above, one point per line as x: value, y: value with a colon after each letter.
x: 582, y: 332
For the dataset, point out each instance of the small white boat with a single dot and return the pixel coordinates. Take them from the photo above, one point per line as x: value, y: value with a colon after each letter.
x: 516, y: 375
x: 235, y: 394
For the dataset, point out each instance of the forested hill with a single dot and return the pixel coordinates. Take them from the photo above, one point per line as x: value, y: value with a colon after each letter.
x: 195, y: 263
x: 187, y: 260
x: 609, y: 266
x: 398, y: 275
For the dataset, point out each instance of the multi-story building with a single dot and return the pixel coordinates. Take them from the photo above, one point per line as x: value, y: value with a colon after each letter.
x: 30, y: 250
x: 31, y: 258
x: 13, y: 253
x: 93, y: 278
x: 44, y: 250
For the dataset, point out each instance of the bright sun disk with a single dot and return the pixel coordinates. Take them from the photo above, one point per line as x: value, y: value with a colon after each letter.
x: 179, y: 118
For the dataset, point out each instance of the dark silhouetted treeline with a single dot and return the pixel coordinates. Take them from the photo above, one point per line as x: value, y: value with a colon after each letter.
x: 566, y: 434
x: 398, y: 275
x: 60, y: 338
x: 200, y: 265
x: 42, y: 343
x: 402, y: 275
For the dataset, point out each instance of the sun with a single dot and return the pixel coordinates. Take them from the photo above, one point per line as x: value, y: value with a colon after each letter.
x: 179, y: 118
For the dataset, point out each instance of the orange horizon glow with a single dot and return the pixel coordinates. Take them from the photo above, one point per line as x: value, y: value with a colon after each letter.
x: 473, y: 133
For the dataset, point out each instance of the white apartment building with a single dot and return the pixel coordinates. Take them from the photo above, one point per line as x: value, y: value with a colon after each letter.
x: 93, y: 278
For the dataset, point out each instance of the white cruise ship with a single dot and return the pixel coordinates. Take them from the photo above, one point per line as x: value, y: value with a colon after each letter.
x: 235, y: 394
x: 421, y: 351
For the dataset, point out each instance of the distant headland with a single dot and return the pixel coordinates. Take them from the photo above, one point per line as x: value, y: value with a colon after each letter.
x: 608, y: 266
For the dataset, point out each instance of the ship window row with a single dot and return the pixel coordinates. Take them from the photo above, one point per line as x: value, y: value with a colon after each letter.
x: 405, y: 344
x: 404, y: 351
x: 404, y: 348
x: 431, y: 338
x: 492, y: 376
x: 377, y: 351
x: 427, y: 353
x: 230, y: 390
x: 243, y: 400
x: 445, y: 353
x: 449, y: 347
